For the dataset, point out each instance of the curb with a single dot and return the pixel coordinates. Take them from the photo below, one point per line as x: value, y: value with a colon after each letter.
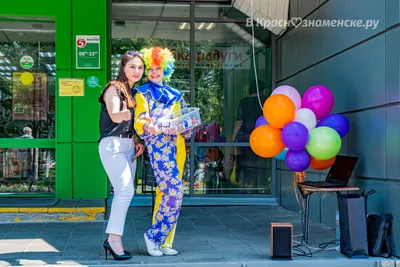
x: 34, y: 214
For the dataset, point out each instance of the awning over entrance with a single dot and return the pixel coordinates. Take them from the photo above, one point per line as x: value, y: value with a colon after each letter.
x: 271, y: 14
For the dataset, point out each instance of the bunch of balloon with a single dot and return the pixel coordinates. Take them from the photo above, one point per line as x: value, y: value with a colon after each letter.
x: 288, y: 129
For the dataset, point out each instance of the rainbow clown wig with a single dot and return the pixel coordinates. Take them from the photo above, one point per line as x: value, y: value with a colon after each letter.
x: 160, y: 57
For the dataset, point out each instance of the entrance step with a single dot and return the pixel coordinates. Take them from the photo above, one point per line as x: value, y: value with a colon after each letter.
x: 50, y: 209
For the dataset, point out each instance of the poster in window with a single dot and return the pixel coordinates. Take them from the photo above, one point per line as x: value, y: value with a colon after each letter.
x: 29, y: 96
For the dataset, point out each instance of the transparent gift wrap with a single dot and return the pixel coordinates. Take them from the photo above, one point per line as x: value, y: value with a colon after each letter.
x: 180, y: 121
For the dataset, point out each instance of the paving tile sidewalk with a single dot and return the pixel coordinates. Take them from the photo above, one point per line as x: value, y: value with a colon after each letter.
x: 227, y: 235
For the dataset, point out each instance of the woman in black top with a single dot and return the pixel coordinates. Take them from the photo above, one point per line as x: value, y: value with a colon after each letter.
x: 117, y: 146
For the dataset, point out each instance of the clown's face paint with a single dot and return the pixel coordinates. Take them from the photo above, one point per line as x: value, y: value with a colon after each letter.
x: 155, y: 74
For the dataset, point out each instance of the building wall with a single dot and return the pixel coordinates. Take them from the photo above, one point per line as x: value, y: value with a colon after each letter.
x: 361, y: 67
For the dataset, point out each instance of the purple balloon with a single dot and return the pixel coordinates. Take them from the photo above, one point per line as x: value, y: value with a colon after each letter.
x: 261, y: 121
x: 295, y: 135
x: 319, y: 99
x: 337, y: 122
x: 297, y: 160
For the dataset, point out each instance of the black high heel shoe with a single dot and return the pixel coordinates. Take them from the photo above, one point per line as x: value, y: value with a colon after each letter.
x: 107, y: 247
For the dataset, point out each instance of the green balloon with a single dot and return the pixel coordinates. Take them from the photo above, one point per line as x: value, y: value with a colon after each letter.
x: 324, y: 143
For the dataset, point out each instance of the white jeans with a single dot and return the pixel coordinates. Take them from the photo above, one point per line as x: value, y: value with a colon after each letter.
x: 116, y: 155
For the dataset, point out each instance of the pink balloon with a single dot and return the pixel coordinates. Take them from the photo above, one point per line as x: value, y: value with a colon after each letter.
x: 289, y: 92
x: 319, y: 99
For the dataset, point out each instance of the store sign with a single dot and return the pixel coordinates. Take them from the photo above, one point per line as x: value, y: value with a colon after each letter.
x: 26, y: 62
x: 29, y: 99
x: 71, y: 87
x: 88, y: 52
x: 215, y: 57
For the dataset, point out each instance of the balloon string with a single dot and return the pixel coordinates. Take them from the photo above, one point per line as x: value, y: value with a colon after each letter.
x: 254, y: 54
x: 298, y: 178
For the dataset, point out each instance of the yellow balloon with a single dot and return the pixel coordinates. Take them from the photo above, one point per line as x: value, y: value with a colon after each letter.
x: 26, y: 78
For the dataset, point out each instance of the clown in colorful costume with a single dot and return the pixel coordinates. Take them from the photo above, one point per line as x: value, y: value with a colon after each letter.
x: 167, y: 153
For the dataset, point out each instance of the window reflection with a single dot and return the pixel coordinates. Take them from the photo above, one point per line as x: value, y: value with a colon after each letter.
x: 224, y: 76
x: 27, y: 170
x: 231, y: 170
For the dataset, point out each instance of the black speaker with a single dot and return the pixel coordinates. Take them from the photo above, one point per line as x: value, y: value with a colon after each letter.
x: 281, y: 240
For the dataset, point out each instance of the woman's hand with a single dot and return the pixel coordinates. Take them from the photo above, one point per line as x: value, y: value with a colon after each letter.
x: 125, y: 113
x: 139, y: 148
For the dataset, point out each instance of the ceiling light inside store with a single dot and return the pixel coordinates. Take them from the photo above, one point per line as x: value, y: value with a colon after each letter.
x: 21, y: 31
x: 8, y: 68
x: 210, y: 26
x: 47, y: 54
x: 5, y: 60
x: 198, y: 26
x: 182, y: 26
x: 51, y: 67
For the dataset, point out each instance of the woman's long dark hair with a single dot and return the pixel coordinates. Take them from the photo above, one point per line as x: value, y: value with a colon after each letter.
x: 122, y: 81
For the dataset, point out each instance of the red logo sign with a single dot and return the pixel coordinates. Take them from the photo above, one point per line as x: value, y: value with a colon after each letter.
x: 81, y: 43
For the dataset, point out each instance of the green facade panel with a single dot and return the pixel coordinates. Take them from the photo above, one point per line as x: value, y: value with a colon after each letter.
x: 64, y: 182
x: 28, y: 8
x: 90, y: 17
x: 86, y: 108
x: 63, y: 112
x: 89, y: 177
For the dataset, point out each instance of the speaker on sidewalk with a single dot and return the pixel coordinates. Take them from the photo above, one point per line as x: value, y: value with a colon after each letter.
x: 281, y: 240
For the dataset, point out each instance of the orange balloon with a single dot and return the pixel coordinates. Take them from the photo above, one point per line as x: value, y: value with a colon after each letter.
x: 320, y: 165
x: 279, y: 110
x: 266, y: 141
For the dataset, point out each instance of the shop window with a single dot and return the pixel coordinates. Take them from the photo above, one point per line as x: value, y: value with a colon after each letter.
x: 27, y: 78
x: 27, y: 170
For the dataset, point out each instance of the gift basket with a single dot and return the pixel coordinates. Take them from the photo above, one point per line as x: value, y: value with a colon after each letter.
x: 180, y: 121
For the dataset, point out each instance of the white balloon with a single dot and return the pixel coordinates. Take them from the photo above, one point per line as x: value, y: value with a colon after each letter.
x: 306, y: 117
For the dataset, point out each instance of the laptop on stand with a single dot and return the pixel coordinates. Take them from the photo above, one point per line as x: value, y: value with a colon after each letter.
x: 339, y: 174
